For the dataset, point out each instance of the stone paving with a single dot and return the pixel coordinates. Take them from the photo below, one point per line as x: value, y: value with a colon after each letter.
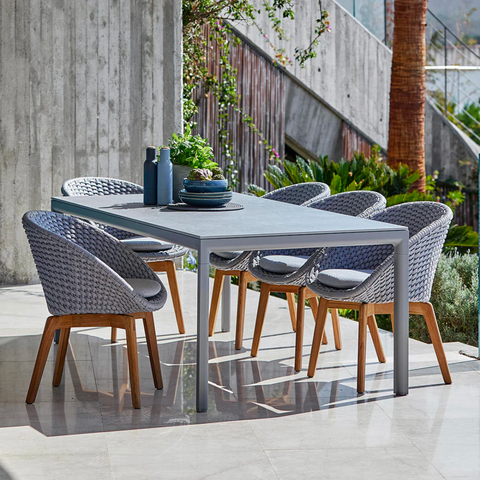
x: 264, y: 421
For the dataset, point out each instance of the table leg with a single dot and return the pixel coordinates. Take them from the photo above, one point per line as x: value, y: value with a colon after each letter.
x: 227, y: 281
x: 202, y: 329
x: 401, y: 304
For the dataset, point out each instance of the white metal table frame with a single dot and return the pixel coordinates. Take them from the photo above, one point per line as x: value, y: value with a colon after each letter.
x: 108, y: 210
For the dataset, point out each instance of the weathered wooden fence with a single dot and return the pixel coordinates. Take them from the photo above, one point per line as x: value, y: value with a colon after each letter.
x: 353, y: 141
x: 467, y: 212
x: 262, y: 97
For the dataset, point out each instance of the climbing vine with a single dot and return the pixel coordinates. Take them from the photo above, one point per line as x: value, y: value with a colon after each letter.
x: 208, y: 21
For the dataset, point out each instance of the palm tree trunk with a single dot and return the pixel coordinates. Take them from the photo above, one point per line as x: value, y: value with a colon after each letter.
x: 406, y: 136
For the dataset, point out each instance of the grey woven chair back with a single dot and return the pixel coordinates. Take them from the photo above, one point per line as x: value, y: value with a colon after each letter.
x: 427, y: 223
x: 91, y: 186
x: 300, y: 194
x: 82, y: 268
x: 359, y: 203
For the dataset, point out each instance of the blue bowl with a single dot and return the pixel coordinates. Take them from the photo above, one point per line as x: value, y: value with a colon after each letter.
x: 198, y: 201
x: 203, y: 186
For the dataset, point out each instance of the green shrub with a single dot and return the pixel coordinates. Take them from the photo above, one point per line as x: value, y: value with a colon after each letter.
x: 360, y: 173
x: 455, y: 300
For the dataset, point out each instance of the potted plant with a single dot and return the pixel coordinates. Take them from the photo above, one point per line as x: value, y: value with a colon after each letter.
x: 201, y: 180
x: 188, y: 151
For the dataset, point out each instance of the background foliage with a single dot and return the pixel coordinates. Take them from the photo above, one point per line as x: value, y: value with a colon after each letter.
x: 361, y: 173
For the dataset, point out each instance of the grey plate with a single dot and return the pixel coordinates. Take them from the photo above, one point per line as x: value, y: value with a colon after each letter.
x: 190, y: 208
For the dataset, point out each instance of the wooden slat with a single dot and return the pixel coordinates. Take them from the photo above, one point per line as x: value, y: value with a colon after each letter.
x: 261, y: 90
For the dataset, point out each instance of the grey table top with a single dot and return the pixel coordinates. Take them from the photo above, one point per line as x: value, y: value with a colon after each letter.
x: 260, y: 218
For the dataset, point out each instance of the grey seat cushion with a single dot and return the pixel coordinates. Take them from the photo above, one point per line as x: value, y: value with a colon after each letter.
x: 228, y: 255
x: 144, y: 287
x: 282, y: 264
x: 343, y: 278
x: 146, y: 244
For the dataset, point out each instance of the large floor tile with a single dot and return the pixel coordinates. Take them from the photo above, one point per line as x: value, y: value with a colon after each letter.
x: 397, y: 463
x: 264, y: 419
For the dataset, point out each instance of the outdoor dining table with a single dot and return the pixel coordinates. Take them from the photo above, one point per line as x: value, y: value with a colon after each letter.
x: 261, y: 225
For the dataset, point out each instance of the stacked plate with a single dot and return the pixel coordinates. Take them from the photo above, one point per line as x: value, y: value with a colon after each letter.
x: 205, y: 199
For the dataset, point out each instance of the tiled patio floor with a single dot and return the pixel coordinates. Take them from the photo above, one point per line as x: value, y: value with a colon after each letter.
x: 264, y: 421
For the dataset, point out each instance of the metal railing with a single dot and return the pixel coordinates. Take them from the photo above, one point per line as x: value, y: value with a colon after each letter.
x: 453, y: 76
x: 453, y: 67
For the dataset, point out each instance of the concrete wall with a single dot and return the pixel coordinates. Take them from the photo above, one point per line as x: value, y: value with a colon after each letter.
x: 448, y: 149
x: 350, y: 79
x: 311, y: 128
x: 351, y: 72
x: 84, y: 87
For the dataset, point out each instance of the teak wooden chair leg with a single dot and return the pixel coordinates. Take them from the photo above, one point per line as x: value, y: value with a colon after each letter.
x: 216, y: 294
x: 42, y: 355
x: 367, y: 319
x: 317, y: 336
x: 66, y: 322
x: 167, y: 266
x: 243, y: 279
x: 151, y: 338
x: 174, y: 292
x: 292, y: 308
x: 365, y: 312
x: 132, y: 353
x: 300, y: 325
x: 336, y: 328
x: 377, y: 342
x: 426, y: 309
x: 314, y: 307
x: 262, y: 310
x: 61, y: 353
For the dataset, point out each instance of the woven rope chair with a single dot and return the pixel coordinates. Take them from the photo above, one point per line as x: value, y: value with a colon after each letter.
x: 236, y: 263
x: 292, y: 280
x: 428, y: 223
x: 90, y: 279
x: 159, y: 261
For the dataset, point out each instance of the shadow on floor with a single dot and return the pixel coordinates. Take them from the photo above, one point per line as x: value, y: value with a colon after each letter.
x: 95, y: 396
x: 4, y: 475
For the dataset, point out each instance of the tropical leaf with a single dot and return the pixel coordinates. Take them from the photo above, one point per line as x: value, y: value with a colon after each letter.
x: 414, y: 196
x: 463, y: 238
x: 293, y: 172
x: 256, y: 190
x: 306, y: 171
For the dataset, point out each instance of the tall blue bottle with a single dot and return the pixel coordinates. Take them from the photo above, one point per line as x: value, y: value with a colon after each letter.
x: 164, y: 178
x: 150, y: 177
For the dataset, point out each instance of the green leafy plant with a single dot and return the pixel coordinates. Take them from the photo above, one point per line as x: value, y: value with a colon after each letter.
x: 455, y: 300
x: 191, y: 150
x: 360, y: 173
